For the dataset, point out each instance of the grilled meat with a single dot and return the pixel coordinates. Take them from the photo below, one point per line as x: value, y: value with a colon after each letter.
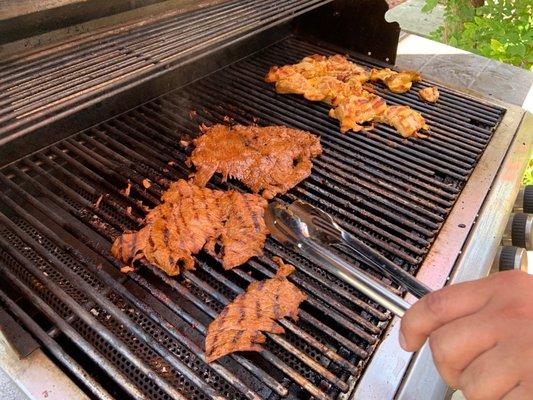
x: 406, y: 120
x: 381, y: 74
x: 240, y: 325
x: 268, y: 160
x: 191, y: 219
x: 356, y: 110
x: 397, y: 82
x: 344, y: 85
x: 327, y: 89
x: 429, y: 94
x: 318, y: 65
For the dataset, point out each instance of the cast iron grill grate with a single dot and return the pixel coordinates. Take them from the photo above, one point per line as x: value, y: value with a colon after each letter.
x: 146, y: 330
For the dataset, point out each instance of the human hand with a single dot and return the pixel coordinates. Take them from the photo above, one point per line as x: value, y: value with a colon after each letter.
x: 480, y: 334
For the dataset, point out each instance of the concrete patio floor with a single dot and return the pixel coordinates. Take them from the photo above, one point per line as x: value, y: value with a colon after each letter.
x: 455, y: 67
x: 412, y: 20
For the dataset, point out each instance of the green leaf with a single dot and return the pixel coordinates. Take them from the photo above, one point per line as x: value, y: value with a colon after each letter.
x: 430, y: 5
x: 496, y: 46
x: 517, y: 50
x: 500, y: 29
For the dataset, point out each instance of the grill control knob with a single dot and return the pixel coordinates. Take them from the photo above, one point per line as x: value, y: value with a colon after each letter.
x: 509, y: 258
x: 524, y: 200
x: 519, y: 231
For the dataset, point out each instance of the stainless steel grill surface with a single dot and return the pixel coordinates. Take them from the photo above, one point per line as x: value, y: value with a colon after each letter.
x: 141, y: 335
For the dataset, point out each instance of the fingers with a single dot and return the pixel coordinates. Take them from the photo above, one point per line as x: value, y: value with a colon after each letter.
x: 453, y: 347
x: 519, y: 392
x: 491, y: 375
x: 440, y: 307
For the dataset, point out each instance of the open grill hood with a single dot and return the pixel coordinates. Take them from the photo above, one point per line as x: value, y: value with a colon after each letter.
x: 141, y: 335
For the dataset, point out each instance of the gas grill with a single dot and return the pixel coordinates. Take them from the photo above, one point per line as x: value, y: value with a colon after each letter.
x: 83, y: 120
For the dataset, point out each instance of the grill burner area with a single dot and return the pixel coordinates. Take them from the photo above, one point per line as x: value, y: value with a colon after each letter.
x: 143, y: 332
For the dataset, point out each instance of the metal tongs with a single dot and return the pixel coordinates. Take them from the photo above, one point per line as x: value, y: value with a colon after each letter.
x: 311, y: 232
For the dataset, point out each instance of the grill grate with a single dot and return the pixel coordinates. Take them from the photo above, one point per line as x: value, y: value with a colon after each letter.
x: 146, y: 330
x: 37, y: 87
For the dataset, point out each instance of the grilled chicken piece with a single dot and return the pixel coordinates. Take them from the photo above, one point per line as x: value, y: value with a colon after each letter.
x: 327, y: 89
x: 192, y: 218
x: 318, y: 65
x: 240, y: 326
x: 397, y: 82
x: 429, y: 94
x: 381, y: 74
x: 356, y: 110
x: 268, y: 160
x: 406, y: 120
x: 344, y: 85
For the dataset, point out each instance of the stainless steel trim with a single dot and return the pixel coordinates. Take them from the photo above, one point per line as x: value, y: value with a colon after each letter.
x: 521, y: 260
x: 507, y: 237
x: 383, y: 375
x: 36, y: 375
x: 519, y: 202
x: 529, y: 227
x: 422, y: 380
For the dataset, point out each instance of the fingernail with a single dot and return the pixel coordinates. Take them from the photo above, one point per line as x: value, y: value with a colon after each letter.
x: 403, y: 342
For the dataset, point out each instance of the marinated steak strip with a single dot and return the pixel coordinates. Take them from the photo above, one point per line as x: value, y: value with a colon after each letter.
x: 342, y: 84
x: 268, y: 160
x: 192, y: 218
x: 240, y: 325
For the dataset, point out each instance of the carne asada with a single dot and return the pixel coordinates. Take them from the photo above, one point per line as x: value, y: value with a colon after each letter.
x: 269, y: 160
x: 240, y: 326
x: 190, y: 219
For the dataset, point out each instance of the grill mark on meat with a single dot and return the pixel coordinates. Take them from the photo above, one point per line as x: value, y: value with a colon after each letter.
x: 277, y: 309
x: 260, y: 157
x: 191, y: 219
x: 253, y: 216
x: 240, y: 325
x: 237, y: 337
x: 258, y: 308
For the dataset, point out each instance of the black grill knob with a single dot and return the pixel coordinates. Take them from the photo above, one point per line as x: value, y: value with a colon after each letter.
x: 521, y: 230
x: 528, y: 199
x: 509, y: 258
x: 524, y: 200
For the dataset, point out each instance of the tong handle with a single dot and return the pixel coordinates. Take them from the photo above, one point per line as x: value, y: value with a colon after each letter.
x: 338, y: 267
x: 384, y: 265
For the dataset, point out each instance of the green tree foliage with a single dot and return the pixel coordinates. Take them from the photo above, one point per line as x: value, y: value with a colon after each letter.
x: 498, y: 29
x: 528, y: 175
